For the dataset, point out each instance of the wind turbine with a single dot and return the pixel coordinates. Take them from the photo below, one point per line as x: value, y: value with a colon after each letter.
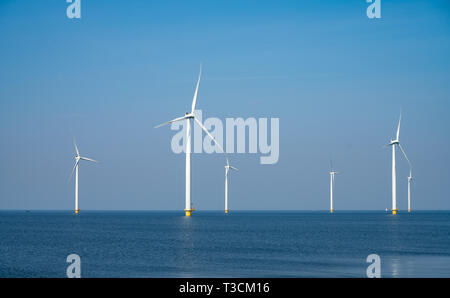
x: 332, y: 173
x: 227, y: 169
x: 393, y: 143
x: 188, y: 116
x: 75, y: 168
x: 409, y: 190
x: 409, y: 177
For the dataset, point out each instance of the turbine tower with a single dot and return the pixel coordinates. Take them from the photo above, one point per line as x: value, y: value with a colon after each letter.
x: 227, y: 169
x: 409, y: 190
x: 332, y: 173
x: 188, y: 116
x: 393, y: 143
x: 75, y: 168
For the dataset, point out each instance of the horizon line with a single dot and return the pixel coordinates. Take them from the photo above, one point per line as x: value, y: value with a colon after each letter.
x: 222, y: 210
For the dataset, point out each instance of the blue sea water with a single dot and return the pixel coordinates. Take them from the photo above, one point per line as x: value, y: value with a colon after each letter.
x: 212, y: 244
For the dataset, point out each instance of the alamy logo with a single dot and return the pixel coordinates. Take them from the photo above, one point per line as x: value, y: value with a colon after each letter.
x: 74, y: 269
x: 74, y: 9
x: 374, y: 269
x: 374, y: 9
x: 237, y: 131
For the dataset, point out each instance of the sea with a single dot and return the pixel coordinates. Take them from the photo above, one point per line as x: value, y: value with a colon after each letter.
x: 212, y: 244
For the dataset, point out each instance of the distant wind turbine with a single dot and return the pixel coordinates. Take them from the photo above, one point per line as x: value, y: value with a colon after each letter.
x: 409, y: 177
x: 409, y: 190
x: 393, y: 143
x: 332, y: 173
x: 188, y: 116
x: 75, y: 168
x: 227, y: 169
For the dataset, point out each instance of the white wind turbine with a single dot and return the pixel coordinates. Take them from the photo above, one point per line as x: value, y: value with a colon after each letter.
x: 409, y: 190
x: 409, y: 178
x: 188, y: 116
x: 332, y: 173
x: 75, y: 168
x: 227, y: 169
x: 393, y: 143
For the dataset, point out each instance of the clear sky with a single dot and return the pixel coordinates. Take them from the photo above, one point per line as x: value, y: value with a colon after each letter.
x: 335, y: 78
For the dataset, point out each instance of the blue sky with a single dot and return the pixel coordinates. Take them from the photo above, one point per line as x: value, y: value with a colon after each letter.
x: 335, y: 78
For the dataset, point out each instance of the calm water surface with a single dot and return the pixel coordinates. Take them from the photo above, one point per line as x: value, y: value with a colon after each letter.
x: 211, y: 244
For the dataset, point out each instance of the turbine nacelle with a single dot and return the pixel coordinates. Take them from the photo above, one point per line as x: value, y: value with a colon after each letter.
x: 393, y: 142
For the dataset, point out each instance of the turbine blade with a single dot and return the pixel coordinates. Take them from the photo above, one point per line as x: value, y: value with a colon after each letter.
x: 171, y: 121
x: 194, y: 100
x: 88, y: 159
x: 404, y: 154
x: 207, y: 132
x: 398, y: 127
x: 73, y: 170
x: 76, y: 147
x: 234, y: 168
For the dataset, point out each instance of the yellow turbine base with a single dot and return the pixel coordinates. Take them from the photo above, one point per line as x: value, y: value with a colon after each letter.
x: 76, y: 211
x: 394, y: 212
x: 331, y: 210
x: 409, y: 210
x: 188, y: 212
x: 226, y: 211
